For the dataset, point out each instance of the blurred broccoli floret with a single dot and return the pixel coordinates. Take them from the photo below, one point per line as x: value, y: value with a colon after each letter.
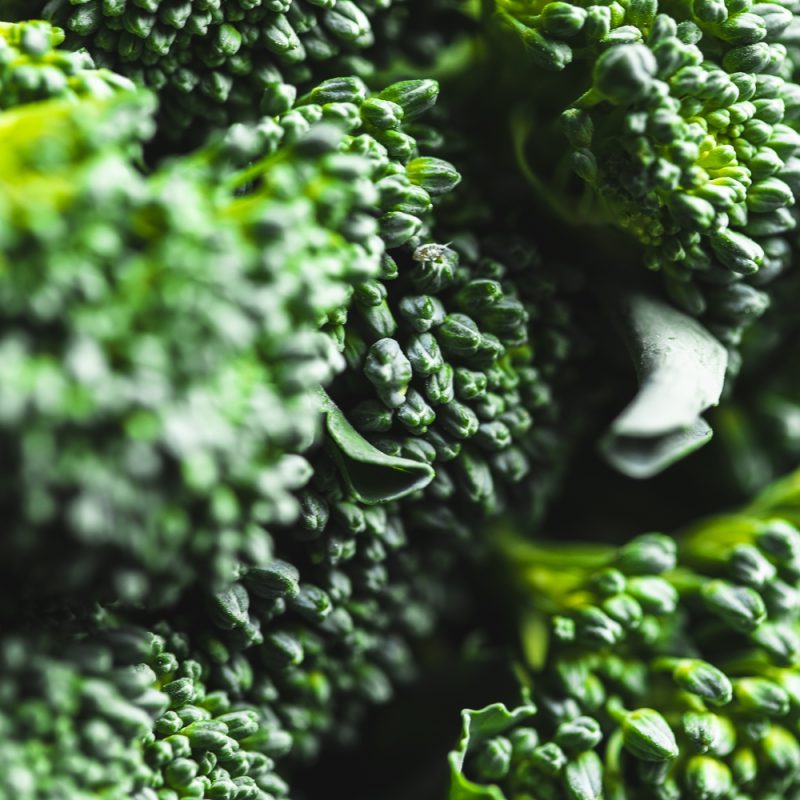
x: 113, y: 709
x: 169, y: 324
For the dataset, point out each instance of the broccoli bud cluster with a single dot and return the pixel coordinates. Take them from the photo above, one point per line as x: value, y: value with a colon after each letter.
x: 213, y: 62
x: 328, y: 612
x: 114, y: 709
x: 170, y: 323
x: 274, y: 410
x: 685, y: 132
x: 671, y: 671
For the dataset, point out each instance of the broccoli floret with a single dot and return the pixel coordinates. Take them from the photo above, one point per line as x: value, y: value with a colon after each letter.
x: 671, y: 665
x: 169, y: 324
x: 328, y: 615
x: 681, y: 123
x: 214, y: 63
x: 109, y: 708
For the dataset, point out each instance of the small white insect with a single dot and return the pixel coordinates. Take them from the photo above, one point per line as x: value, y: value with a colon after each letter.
x: 431, y: 252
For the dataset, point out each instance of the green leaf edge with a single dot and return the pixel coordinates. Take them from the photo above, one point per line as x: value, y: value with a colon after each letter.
x: 390, y: 477
x: 476, y: 725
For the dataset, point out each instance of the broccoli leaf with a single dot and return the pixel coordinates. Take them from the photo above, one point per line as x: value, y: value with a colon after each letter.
x: 681, y: 370
x: 372, y: 476
x: 476, y: 726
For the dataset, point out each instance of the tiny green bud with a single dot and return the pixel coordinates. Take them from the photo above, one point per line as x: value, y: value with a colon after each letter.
x: 780, y: 641
x: 549, y: 758
x: 240, y: 724
x: 710, y: 11
x: 563, y: 629
x: 692, y: 211
x: 206, y: 735
x: 311, y: 603
x: 747, y: 58
x: 780, y: 597
x: 180, y: 773
x: 469, y: 384
x: 389, y: 371
x: 624, y: 74
x: 277, y: 579
x: 547, y: 53
x: 459, y: 420
x: 648, y: 554
x: 624, y: 609
x: 415, y: 413
x: 780, y: 539
x: 281, y: 650
x: 433, y: 174
x: 744, y: 766
x: 609, y: 582
x: 703, y: 729
x: 747, y: 565
x: 736, y: 251
x: 381, y: 114
x: 494, y: 759
x: 776, y: 18
x: 439, y: 387
x: 707, y: 778
x: 655, y: 595
x: 578, y: 127
x: 704, y: 680
x: 414, y: 97
x: 781, y: 751
x: 579, y: 734
x: 348, y: 89
x: 397, y: 227
x: 459, y: 335
x: 424, y: 354
x: 180, y: 746
x: 768, y: 195
x: 523, y: 742
x: 596, y: 628
x: 583, y: 777
x: 741, y: 607
x: 761, y: 696
x: 647, y: 735
x: 435, y: 267
x: 229, y: 40
x: 180, y: 691
x: 422, y: 312
x: 562, y: 20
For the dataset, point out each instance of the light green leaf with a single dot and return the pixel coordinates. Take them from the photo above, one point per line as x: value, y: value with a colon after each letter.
x: 476, y: 726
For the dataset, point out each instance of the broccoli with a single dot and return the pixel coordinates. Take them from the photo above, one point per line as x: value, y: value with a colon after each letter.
x: 671, y: 669
x: 213, y: 62
x: 114, y: 709
x: 295, y: 370
x: 169, y: 323
x: 680, y: 121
